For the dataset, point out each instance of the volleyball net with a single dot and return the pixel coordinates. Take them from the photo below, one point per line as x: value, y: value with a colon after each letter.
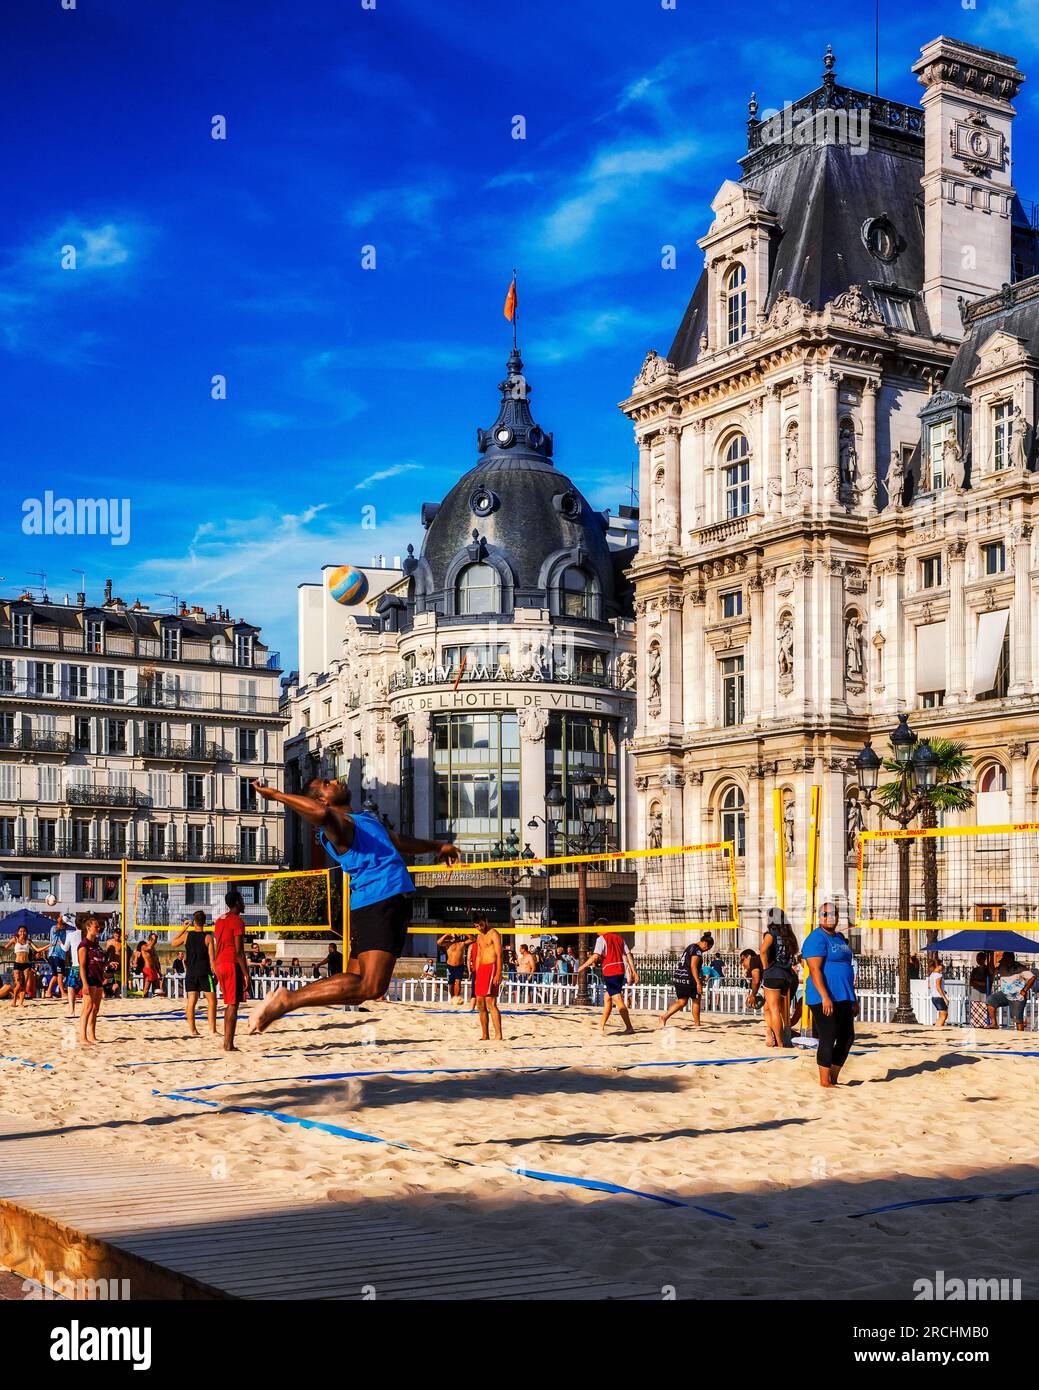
x: 948, y: 878
x: 645, y: 890
x: 275, y: 901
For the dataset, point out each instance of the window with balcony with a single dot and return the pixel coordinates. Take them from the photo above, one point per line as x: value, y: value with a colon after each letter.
x: 152, y: 737
x: 113, y: 684
x: 81, y: 734
x: 736, y: 477
x: 6, y: 834
x: 732, y: 690
x: 195, y: 792
x: 6, y: 730
x: 115, y: 736
x: 48, y: 836
x: 736, y: 303
x: 156, y: 839
x: 79, y: 832
x: 246, y: 745
x: 94, y: 635
x: 243, y: 649
x: 194, y: 841
x: 6, y: 676
x: 246, y: 794
x: 21, y: 629
x: 77, y: 683
x: 933, y: 474
x: 40, y: 678
x: 117, y: 838
x: 171, y: 644
x: 248, y: 842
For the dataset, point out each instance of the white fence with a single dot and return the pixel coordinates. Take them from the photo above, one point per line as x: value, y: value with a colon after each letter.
x: 259, y: 985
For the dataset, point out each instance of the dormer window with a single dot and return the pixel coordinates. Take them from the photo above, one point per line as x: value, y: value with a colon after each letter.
x: 896, y: 312
x: 243, y: 645
x: 21, y: 629
x: 736, y: 303
x: 95, y: 635
x: 171, y: 644
x: 1002, y: 435
x: 478, y: 590
x: 938, y: 436
x: 577, y: 595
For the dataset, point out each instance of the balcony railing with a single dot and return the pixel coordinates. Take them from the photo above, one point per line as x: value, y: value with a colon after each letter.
x: 66, y: 849
x: 107, y: 796
x: 55, y: 639
x: 209, y: 701
x: 38, y: 742
x: 185, y: 751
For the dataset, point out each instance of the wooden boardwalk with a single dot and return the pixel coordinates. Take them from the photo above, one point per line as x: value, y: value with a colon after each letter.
x: 67, y: 1211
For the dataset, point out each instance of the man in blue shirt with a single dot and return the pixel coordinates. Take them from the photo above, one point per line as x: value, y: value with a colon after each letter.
x: 380, y: 896
x: 830, y: 992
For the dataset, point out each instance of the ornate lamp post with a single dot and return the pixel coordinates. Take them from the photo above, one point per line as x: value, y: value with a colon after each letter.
x: 918, y: 772
x: 555, y: 802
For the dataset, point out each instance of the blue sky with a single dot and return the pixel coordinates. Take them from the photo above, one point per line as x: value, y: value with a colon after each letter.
x: 347, y: 127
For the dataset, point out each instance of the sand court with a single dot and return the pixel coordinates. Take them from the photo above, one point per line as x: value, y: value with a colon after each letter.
x: 699, y: 1158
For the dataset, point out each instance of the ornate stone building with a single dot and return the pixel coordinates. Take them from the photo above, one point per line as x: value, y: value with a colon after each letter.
x: 837, y: 478
x: 501, y: 663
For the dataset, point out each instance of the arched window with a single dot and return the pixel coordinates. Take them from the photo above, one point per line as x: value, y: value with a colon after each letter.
x: 736, y: 477
x: 992, y: 778
x: 734, y: 820
x: 478, y: 590
x: 736, y: 303
x: 577, y: 595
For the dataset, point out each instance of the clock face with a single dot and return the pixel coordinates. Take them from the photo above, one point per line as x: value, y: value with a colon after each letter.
x: 504, y: 436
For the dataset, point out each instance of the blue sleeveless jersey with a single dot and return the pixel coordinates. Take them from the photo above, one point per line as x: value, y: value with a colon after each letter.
x: 373, y: 862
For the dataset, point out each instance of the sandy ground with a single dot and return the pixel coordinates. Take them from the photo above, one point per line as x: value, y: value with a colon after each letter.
x: 924, y: 1114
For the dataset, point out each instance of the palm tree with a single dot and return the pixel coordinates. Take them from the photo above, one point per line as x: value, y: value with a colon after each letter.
x: 949, y: 792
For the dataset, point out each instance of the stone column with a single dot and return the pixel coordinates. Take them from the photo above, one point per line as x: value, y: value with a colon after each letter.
x: 669, y: 525
x: 805, y: 440
x: 804, y: 632
x: 642, y: 681
x: 696, y: 516
x: 1021, y: 664
x: 771, y: 453
x: 756, y: 677
x: 695, y: 658
x: 672, y: 656
x: 533, y: 721
x: 956, y: 637
x: 767, y: 609
x: 830, y: 663
x: 1018, y: 751
x: 645, y: 478
x: 832, y: 831
x: 422, y: 773
x: 868, y: 462
x: 825, y: 473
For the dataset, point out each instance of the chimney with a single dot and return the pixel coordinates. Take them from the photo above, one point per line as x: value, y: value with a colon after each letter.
x: 81, y: 599
x: 968, y: 193
x: 108, y: 591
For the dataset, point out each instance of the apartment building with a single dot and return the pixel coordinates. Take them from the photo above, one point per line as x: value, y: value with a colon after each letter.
x: 131, y: 734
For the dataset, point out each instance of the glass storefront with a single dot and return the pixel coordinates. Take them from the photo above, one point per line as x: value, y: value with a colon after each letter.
x: 578, y: 741
x: 476, y: 778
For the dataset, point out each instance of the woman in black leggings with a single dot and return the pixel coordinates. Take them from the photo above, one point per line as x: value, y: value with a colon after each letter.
x: 830, y: 992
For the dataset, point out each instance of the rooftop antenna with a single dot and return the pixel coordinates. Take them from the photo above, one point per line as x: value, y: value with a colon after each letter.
x: 39, y: 574
x: 631, y: 485
x: 876, y: 52
x: 82, y: 580
x: 176, y: 600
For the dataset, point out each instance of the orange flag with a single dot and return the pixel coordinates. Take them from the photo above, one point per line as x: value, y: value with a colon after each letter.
x: 510, y: 301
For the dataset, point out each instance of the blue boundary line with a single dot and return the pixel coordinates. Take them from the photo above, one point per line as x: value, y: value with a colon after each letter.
x: 24, y: 1061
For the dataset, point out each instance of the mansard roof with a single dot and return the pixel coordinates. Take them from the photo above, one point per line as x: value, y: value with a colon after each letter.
x: 1015, y: 310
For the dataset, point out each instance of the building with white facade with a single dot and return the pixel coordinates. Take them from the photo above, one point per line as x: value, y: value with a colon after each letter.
x: 837, y: 474
x: 131, y: 734
x: 500, y: 663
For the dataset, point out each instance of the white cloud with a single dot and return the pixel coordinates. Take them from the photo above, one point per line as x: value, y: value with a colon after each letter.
x: 384, y: 473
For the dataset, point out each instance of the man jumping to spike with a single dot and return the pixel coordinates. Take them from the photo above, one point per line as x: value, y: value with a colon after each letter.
x: 380, y: 896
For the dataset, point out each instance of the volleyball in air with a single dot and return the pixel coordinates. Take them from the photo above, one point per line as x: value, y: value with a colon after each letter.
x: 347, y: 585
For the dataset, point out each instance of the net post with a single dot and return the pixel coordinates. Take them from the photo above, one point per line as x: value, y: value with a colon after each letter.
x: 346, y: 919
x: 124, y: 928
x: 812, y: 883
x: 780, y: 848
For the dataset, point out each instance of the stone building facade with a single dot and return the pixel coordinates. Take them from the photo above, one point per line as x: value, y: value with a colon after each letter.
x: 837, y: 475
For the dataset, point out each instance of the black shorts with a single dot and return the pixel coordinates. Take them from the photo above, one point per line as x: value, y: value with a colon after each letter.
x: 199, y: 984
x: 381, y: 926
x: 454, y: 972
x: 688, y: 991
x: 775, y: 977
x: 614, y: 984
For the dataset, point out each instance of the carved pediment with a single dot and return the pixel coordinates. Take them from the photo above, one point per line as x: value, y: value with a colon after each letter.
x: 654, y: 368
x: 1001, y: 351
x: 787, y: 309
x: 855, y: 305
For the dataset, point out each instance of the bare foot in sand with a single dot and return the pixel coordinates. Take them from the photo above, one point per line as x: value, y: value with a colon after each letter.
x: 193, y: 1033
x: 230, y: 1047
x: 269, y: 1011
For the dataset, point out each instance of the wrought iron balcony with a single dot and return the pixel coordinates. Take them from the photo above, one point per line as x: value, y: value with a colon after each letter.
x: 37, y: 741
x: 138, y: 854
x: 185, y: 751
x: 107, y: 796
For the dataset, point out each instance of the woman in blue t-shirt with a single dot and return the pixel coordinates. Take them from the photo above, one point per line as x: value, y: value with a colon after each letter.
x: 830, y: 992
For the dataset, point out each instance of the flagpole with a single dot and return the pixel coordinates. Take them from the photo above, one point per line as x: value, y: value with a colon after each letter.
x: 515, y: 310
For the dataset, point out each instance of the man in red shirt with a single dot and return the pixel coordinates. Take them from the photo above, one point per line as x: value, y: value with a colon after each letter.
x: 611, y: 953
x: 229, y: 963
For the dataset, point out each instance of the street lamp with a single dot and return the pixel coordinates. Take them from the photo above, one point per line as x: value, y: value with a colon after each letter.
x: 918, y: 773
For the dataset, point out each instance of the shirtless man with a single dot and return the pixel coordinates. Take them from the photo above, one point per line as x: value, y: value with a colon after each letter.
x: 152, y: 967
x: 456, y: 953
x: 381, y: 890
x: 488, y: 976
